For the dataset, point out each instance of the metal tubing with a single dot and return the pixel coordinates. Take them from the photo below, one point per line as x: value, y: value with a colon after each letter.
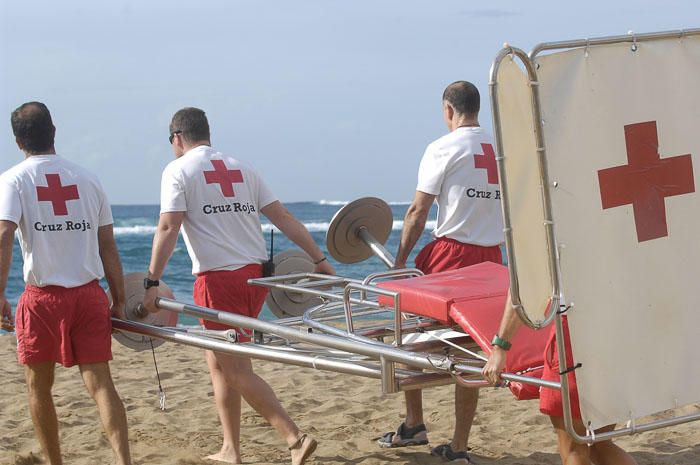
x: 612, y: 40
x: 389, y: 384
x: 548, y: 223
x: 406, y: 381
x: 370, y: 350
x: 366, y: 334
x: 321, y: 282
x: 363, y: 290
x: 420, y: 360
x: 377, y: 248
x: 639, y: 429
x: 398, y: 333
x: 296, y: 277
x: 248, y: 350
x: 398, y: 328
x: 337, y: 331
x: 464, y: 368
x: 409, y: 325
x: 324, y: 294
x: 404, y: 272
x: 425, y: 380
x: 471, y: 383
x: 295, y: 320
x: 564, y: 381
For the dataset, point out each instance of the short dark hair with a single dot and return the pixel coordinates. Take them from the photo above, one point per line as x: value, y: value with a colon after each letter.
x: 33, y: 127
x: 192, y: 124
x: 464, y: 98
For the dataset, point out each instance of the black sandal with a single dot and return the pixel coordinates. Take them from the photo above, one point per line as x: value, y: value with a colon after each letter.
x: 445, y: 451
x: 405, y: 436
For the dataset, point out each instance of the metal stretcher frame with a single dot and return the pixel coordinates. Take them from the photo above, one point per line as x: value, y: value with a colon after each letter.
x: 531, y: 69
x: 378, y: 357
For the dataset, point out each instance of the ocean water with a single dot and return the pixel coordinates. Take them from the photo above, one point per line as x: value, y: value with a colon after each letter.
x: 134, y: 226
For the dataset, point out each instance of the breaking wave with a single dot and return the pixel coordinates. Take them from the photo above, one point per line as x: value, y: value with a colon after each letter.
x: 134, y: 230
x: 320, y: 226
x: 345, y: 202
x: 333, y: 202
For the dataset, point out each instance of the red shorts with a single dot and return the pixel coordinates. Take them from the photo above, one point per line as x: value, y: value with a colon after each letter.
x: 445, y: 254
x: 229, y: 291
x: 550, y: 399
x: 64, y: 325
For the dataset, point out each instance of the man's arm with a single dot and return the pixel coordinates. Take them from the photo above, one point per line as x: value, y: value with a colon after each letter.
x: 113, y: 268
x: 413, y: 226
x: 7, y: 238
x: 510, y: 323
x: 164, y: 243
x: 297, y: 233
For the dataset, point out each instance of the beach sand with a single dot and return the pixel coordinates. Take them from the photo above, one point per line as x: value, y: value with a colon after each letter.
x: 344, y: 413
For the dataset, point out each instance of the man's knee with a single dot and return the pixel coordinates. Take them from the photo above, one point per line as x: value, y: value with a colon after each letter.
x: 98, y: 379
x: 603, y: 448
x: 237, y: 371
x: 39, y: 378
x: 466, y: 394
x: 569, y: 449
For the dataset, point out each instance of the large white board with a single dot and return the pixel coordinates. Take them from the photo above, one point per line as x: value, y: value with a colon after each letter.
x: 622, y: 133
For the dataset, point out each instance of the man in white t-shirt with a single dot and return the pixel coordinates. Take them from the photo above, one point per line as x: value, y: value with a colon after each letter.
x: 63, y: 316
x: 218, y: 200
x: 458, y: 171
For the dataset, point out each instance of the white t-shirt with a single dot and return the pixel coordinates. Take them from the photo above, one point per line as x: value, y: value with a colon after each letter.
x: 460, y: 169
x: 221, y: 198
x: 58, y: 207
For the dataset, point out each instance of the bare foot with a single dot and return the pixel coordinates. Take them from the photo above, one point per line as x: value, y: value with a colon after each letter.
x: 225, y: 456
x: 302, y: 449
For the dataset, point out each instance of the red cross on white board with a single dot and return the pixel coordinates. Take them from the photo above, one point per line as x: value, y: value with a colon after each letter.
x: 487, y: 161
x: 57, y: 194
x: 646, y: 181
x: 224, y: 177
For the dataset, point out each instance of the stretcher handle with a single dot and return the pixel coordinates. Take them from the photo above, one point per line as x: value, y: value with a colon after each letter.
x: 477, y: 383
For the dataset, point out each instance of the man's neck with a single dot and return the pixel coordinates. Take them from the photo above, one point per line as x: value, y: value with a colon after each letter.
x: 194, y: 145
x: 51, y: 151
x: 465, y: 123
x: 187, y: 147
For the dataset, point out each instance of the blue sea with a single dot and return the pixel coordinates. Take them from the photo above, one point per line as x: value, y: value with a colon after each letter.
x: 134, y: 226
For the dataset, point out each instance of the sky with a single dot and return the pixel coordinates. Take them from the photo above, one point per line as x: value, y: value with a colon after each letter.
x: 327, y: 99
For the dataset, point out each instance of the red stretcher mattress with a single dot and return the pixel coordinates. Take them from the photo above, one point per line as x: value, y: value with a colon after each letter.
x: 474, y: 298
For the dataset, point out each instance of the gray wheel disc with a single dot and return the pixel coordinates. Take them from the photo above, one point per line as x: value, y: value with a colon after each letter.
x: 344, y: 243
x: 284, y: 303
x: 133, y: 285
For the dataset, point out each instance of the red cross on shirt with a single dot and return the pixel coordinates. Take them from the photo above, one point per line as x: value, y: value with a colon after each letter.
x: 224, y: 177
x: 487, y: 161
x: 646, y: 181
x: 57, y: 194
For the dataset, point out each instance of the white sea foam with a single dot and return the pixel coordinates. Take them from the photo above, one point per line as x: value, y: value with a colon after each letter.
x: 313, y: 226
x: 333, y: 202
x: 134, y: 230
x: 345, y: 202
x: 398, y: 225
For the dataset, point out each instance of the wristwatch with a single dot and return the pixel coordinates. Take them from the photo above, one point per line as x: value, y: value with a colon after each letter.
x: 497, y: 341
x: 149, y: 283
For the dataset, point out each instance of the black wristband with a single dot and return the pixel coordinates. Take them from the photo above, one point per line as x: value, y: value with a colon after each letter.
x: 320, y: 261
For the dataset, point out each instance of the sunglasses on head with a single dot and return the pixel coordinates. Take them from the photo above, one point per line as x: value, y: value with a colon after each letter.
x: 172, y: 136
